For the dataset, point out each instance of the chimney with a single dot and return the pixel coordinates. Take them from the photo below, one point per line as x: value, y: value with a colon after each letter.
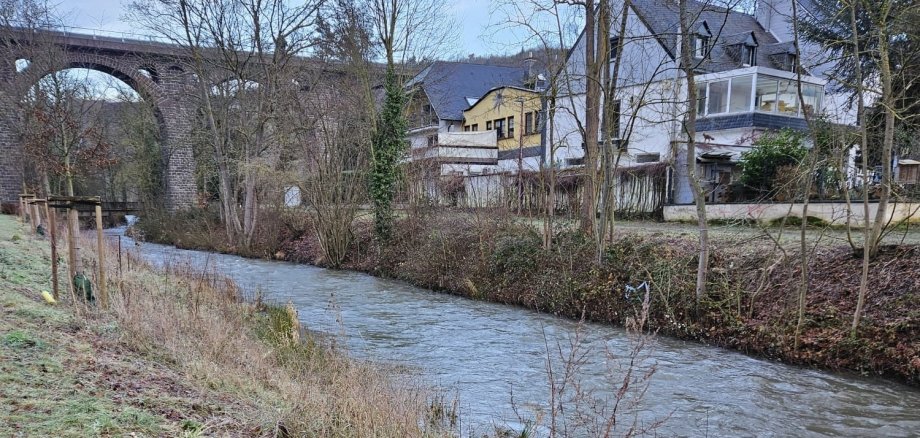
x: 529, y: 64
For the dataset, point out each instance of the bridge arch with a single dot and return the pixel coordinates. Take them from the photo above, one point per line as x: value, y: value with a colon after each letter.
x: 131, y: 75
x: 158, y: 80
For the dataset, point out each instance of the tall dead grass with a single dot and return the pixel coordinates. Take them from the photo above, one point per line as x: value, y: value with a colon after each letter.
x: 285, y: 383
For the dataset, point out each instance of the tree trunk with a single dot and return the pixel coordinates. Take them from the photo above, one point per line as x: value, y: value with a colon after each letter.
x: 592, y: 121
x: 888, y: 103
x: 249, y: 209
x: 687, y: 66
x: 864, y: 144
x: 551, y: 195
x: 604, y: 151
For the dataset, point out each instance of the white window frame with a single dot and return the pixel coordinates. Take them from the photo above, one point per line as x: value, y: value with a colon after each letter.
x: 700, y: 46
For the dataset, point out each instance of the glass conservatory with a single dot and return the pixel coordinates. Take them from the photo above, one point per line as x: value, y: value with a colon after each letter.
x: 759, y: 91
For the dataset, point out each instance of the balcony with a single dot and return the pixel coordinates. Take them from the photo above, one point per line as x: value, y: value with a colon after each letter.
x: 756, y: 97
x: 461, y: 148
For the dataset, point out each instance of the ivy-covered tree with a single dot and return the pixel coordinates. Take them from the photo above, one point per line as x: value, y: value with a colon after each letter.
x: 389, y: 145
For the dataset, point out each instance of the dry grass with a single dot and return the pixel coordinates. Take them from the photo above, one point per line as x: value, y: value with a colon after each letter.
x: 258, y: 352
x: 197, y: 359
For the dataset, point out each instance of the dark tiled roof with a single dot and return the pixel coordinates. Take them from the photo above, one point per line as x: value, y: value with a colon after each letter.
x: 662, y: 18
x: 779, y: 48
x: 739, y: 38
x: 449, y: 84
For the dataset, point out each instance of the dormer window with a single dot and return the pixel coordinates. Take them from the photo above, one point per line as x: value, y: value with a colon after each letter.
x: 743, y: 48
x: 748, y: 55
x: 701, y: 41
x: 782, y: 56
x: 700, y: 46
x: 791, y: 62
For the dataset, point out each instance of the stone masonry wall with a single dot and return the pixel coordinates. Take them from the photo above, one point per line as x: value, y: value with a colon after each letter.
x: 169, y: 92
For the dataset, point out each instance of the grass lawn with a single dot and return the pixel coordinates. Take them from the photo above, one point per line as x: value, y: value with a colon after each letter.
x: 64, y: 375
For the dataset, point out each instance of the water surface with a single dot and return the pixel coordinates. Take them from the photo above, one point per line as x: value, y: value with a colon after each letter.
x: 484, y: 352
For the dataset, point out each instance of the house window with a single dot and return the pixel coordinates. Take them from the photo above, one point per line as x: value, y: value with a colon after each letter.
x: 475, y: 127
x: 614, y: 119
x: 700, y: 46
x: 741, y: 94
x: 718, y: 97
x: 787, y: 98
x: 489, y: 125
x: 432, y: 140
x: 528, y: 123
x: 511, y: 127
x: 614, y: 42
x: 766, y: 95
x: 466, y: 128
x: 791, y: 62
x: 812, y: 95
x: 701, y: 98
x: 748, y: 55
x: 499, y: 127
x: 648, y: 158
x: 781, y: 96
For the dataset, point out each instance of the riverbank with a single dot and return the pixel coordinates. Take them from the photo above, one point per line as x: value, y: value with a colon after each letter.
x: 751, y: 305
x: 177, y: 353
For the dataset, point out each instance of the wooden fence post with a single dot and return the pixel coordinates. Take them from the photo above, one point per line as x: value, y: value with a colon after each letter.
x: 36, y: 218
x: 72, y: 251
x: 100, y: 245
x: 52, y: 229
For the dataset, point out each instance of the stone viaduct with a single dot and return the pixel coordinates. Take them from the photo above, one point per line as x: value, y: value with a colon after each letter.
x: 156, y: 71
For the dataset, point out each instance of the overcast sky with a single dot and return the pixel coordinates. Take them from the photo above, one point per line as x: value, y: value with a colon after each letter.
x: 476, y: 34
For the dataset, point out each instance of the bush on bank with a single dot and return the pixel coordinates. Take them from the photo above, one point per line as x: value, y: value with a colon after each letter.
x: 750, y: 305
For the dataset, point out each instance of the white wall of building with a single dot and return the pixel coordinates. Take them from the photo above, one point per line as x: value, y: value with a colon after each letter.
x: 647, y: 94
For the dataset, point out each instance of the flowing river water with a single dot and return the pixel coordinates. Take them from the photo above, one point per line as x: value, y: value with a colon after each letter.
x: 483, y: 353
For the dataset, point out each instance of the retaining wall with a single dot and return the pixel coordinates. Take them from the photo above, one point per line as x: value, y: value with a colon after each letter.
x: 834, y: 213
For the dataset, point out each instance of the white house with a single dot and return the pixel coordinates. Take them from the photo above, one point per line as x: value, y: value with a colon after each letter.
x: 745, y: 79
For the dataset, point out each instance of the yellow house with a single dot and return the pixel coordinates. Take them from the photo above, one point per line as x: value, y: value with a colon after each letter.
x: 514, y: 114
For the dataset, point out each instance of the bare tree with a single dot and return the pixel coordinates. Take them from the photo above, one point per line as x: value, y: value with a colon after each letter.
x: 334, y: 142
x: 244, y: 55
x: 545, y: 24
x: 688, y: 67
x: 409, y: 31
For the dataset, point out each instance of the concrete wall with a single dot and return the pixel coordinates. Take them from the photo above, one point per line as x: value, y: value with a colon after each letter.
x: 834, y: 213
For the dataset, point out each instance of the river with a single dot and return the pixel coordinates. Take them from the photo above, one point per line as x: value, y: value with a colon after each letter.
x: 483, y: 353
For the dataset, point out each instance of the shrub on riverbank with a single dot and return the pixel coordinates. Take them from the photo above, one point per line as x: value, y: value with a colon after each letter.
x: 202, y: 229
x: 750, y: 305
x: 180, y: 352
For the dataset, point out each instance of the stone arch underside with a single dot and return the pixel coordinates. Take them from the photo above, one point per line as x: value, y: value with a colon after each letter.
x: 168, y: 96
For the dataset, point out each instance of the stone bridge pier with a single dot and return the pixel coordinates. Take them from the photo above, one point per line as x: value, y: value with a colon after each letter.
x: 155, y: 71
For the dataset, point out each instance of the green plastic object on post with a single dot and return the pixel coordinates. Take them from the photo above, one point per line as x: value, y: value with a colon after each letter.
x: 83, y: 286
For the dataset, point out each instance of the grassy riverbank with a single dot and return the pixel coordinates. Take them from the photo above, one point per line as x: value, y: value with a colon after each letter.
x: 177, y: 353
x: 751, y: 306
